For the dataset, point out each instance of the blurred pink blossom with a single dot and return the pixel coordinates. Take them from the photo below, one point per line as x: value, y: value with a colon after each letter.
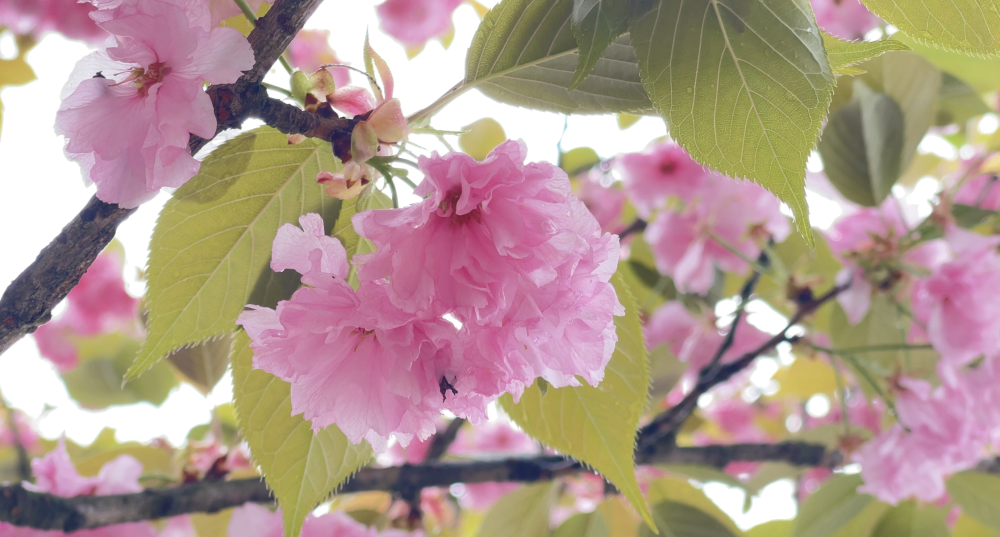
x: 492, y: 440
x: 846, y: 19
x: 604, y: 202
x: 414, y: 22
x: 253, y: 520
x: 34, y: 17
x: 311, y: 50
x: 662, y: 171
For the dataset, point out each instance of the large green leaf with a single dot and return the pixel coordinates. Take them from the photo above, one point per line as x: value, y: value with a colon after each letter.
x: 96, y: 382
x: 597, y: 425
x: 301, y: 467
x: 831, y: 507
x: 525, y: 53
x: 862, y: 146
x: 910, y: 520
x: 680, y: 520
x: 843, y: 54
x: 596, y: 24
x: 743, y: 85
x: 969, y: 26
x: 212, y: 242
x: 979, y: 496
x: 524, y: 512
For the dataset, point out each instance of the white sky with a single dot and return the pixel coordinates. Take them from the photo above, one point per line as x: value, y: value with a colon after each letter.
x: 41, y: 191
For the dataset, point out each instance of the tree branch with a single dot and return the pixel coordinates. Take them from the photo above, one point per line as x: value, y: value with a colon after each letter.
x: 22, y: 507
x: 28, y: 301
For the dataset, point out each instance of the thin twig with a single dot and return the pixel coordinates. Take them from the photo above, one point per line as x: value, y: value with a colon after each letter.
x: 635, y: 227
x: 745, y: 294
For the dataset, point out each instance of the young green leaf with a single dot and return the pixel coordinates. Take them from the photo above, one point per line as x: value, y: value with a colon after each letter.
x: 967, y: 26
x: 597, y: 425
x: 744, y: 86
x: 831, y: 507
x: 596, y: 24
x: 524, y: 512
x: 302, y: 468
x: 212, y: 241
x: 525, y: 53
x: 843, y: 54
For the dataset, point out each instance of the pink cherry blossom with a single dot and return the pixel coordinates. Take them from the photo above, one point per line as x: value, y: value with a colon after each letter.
x: 311, y: 50
x: 98, y: 304
x: 980, y: 191
x: 252, y: 520
x: 846, y: 19
x: 664, y: 170
x: 328, y: 336
x: 604, y: 202
x: 685, y: 242
x: 414, y: 22
x: 955, y: 304
x: 129, y: 128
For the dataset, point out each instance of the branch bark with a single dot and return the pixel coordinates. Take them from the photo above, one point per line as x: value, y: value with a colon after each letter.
x: 22, y: 507
x: 28, y: 301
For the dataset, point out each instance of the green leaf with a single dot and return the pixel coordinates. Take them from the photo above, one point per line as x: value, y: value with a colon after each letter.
x: 212, y: 241
x: 843, y: 54
x: 958, y: 102
x: 524, y: 53
x: 831, y: 507
x: 596, y: 24
x: 302, y: 468
x: 967, y: 526
x: 681, y: 491
x: 983, y: 74
x: 745, y: 93
x: 583, y: 525
x: 481, y: 137
x: 910, y: 520
x: 97, y: 381
x: 969, y: 216
x: 862, y: 146
x: 979, y: 496
x: 597, y: 425
x: 680, y: 520
x: 344, y: 229
x: 774, y: 528
x: 524, y: 512
x: 202, y: 365
x: 578, y: 160
x: 961, y: 25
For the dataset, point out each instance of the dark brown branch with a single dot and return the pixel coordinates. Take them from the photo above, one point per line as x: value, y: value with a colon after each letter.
x: 43, y: 511
x: 28, y: 301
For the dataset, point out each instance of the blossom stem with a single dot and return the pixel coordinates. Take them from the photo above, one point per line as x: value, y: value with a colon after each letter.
x: 392, y: 188
x: 278, y: 89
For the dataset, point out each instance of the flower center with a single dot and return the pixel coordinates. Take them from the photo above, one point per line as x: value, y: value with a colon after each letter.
x: 668, y: 167
x: 143, y: 79
x: 447, y: 207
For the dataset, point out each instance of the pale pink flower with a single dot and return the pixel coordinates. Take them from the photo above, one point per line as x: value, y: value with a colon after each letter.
x: 179, y: 526
x: 605, y: 202
x: 311, y: 50
x: 414, y: 22
x: 980, y: 191
x: 129, y: 129
x: 328, y: 336
x: 956, y: 303
x: 252, y: 520
x: 663, y: 171
x: 846, y: 19
x: 99, y: 304
x: 686, y: 242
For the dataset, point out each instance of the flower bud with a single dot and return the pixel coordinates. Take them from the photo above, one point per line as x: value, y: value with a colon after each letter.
x: 364, y: 142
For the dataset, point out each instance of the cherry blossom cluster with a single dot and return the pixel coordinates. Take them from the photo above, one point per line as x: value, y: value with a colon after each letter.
x: 499, y: 247
x: 129, y: 109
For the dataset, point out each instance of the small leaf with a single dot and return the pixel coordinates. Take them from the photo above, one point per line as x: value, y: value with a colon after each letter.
x: 202, y: 365
x: 680, y: 520
x: 524, y: 53
x: 680, y: 491
x: 958, y: 102
x: 862, y: 146
x: 596, y: 24
x: 578, y: 160
x: 843, y: 54
x: 961, y: 25
x: 524, y: 513
x: 212, y: 241
x: 597, y: 425
x: 480, y: 137
x: 910, y: 520
x: 626, y: 120
x: 97, y: 382
x: 746, y: 93
x: 301, y: 467
x: 831, y: 507
x: 978, y: 494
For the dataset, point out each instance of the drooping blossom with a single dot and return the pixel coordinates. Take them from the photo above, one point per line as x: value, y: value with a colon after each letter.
x: 311, y: 50
x: 724, y: 215
x: 664, y: 170
x: 948, y: 429
x: 352, y: 358
x: 253, y: 520
x: 129, y: 110
x: 492, y: 440
x: 605, y: 202
x: 846, y: 19
x: 55, y: 474
x: 414, y: 22
x: 696, y: 340
x: 98, y: 304
x: 956, y: 304
x: 35, y: 17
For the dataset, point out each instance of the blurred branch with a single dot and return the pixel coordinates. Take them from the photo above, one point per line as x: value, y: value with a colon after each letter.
x: 22, y: 507
x: 635, y: 227
x: 28, y: 301
x: 444, y: 439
